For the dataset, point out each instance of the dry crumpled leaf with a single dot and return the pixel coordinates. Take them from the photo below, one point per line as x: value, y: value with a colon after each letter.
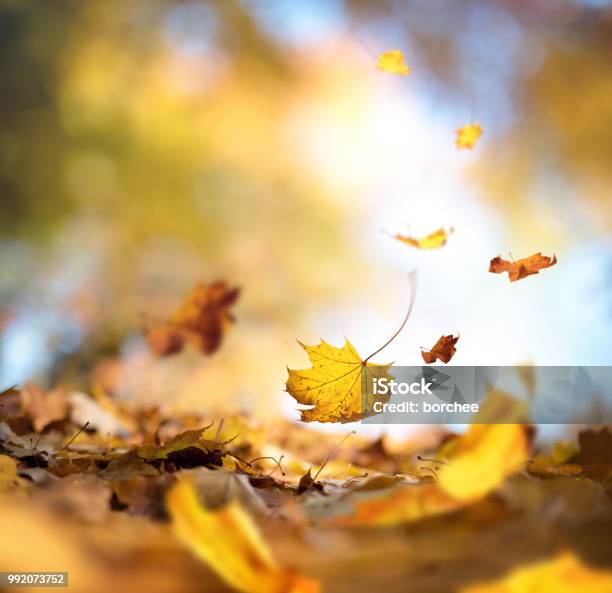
x: 393, y: 62
x: 477, y: 463
x: 228, y: 541
x: 467, y: 135
x: 564, y: 574
x: 523, y: 267
x: 444, y: 349
x: 434, y: 240
x: 128, y: 466
x: 332, y: 386
x: 201, y: 320
x: 188, y: 449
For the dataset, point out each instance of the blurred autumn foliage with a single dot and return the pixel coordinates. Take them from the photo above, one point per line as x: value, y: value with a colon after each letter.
x: 187, y: 185
x: 148, y: 144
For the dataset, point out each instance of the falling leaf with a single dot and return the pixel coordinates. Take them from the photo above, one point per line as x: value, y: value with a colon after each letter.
x: 434, y: 240
x: 393, y: 62
x: 467, y: 135
x: 332, y: 386
x: 201, y: 320
x: 228, y: 541
x: 523, y: 267
x: 475, y: 465
x: 444, y: 349
x: 564, y: 574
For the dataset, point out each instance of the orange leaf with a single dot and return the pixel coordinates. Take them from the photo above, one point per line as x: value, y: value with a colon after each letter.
x: 523, y: 267
x: 444, y: 349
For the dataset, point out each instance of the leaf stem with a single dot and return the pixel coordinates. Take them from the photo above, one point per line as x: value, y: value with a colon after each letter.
x: 412, y: 278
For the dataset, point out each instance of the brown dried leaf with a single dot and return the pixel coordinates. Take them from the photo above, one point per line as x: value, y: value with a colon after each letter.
x: 444, y: 349
x: 523, y: 267
x: 201, y: 320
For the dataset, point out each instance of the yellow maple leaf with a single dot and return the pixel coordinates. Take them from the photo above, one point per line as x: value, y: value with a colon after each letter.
x: 564, y: 574
x: 467, y: 135
x: 478, y: 462
x: 434, y: 240
x: 333, y: 385
x: 393, y: 62
x: 228, y: 541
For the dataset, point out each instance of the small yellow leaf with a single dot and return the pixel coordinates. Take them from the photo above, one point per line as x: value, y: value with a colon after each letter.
x: 467, y: 135
x: 228, y: 541
x: 332, y: 386
x: 392, y: 61
x: 434, y: 240
x: 563, y: 574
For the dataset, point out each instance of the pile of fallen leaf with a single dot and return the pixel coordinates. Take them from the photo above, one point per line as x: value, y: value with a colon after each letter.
x: 127, y: 499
